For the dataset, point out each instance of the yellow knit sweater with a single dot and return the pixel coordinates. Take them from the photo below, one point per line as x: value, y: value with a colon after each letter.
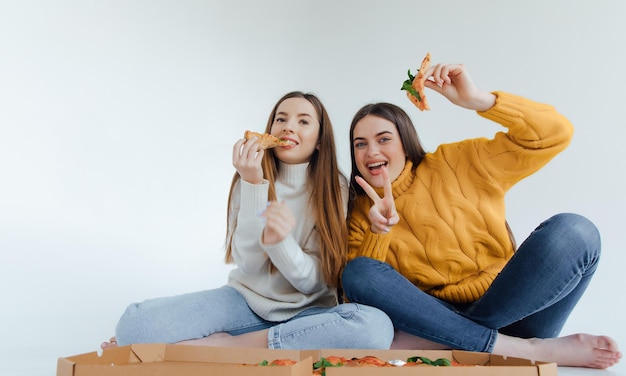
x: 452, y: 240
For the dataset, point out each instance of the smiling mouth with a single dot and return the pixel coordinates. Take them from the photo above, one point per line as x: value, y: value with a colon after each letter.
x: 286, y: 142
x: 376, y: 166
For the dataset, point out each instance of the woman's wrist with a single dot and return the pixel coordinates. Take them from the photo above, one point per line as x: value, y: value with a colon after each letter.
x: 484, y: 101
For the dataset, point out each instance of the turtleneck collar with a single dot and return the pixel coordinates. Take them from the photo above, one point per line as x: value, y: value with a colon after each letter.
x: 293, y: 175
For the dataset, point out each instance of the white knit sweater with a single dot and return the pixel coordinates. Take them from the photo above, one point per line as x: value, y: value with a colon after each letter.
x: 296, y: 281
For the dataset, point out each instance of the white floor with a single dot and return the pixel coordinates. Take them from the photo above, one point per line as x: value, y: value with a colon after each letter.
x: 620, y: 370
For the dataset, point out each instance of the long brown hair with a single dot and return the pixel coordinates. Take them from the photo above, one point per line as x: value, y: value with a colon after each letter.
x: 324, y: 185
x: 413, y: 148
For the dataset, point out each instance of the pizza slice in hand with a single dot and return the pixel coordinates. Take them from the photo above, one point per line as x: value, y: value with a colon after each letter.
x: 266, y: 141
x: 414, y: 86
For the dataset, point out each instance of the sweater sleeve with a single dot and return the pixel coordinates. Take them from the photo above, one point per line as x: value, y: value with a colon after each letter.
x: 301, y: 265
x: 300, y: 261
x: 248, y: 202
x: 361, y: 240
x: 536, y: 134
x: 300, y: 268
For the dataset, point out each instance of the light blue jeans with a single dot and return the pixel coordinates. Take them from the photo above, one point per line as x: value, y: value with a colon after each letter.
x: 532, y: 296
x: 199, y: 314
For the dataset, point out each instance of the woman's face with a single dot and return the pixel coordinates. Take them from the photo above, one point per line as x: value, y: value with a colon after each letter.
x: 296, y: 120
x: 377, y: 145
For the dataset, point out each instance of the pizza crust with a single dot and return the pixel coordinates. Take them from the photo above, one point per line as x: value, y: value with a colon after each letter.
x: 418, y: 85
x: 265, y: 141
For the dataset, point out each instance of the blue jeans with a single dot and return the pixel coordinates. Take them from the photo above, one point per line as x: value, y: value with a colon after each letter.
x: 531, y: 297
x: 197, y: 315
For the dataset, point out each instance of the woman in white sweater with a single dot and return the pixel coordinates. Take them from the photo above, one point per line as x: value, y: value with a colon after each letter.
x: 287, y: 235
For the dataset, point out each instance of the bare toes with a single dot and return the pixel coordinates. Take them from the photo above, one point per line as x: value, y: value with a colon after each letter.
x: 108, y: 345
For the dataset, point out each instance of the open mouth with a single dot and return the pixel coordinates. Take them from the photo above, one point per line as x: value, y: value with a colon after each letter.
x: 287, y: 142
x: 376, y: 165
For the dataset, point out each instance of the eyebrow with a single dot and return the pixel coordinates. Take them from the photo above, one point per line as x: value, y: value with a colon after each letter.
x: 298, y: 115
x: 376, y: 135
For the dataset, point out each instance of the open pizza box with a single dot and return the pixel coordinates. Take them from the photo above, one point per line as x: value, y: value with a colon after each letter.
x: 177, y: 360
x: 473, y: 363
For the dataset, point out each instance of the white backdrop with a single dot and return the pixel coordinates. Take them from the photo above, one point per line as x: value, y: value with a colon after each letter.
x: 117, y: 120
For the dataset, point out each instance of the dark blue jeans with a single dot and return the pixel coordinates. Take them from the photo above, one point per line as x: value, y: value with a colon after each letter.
x: 532, y: 296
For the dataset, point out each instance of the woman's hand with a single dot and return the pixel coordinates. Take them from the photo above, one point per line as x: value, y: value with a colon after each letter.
x: 454, y: 82
x: 247, y: 157
x: 279, y: 221
x: 382, y: 214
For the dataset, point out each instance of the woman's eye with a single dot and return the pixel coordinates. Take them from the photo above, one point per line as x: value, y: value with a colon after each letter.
x: 359, y: 144
x: 304, y: 122
x: 384, y: 140
x: 279, y: 120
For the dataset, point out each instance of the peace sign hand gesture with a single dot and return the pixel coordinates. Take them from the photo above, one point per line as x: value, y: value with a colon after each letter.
x: 382, y: 214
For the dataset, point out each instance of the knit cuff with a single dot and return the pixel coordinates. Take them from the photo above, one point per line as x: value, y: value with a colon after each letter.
x: 375, y: 246
x: 507, y: 107
x: 253, y: 198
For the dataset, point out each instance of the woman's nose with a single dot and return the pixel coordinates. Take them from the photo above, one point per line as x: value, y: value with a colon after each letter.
x: 288, y: 127
x: 373, y: 150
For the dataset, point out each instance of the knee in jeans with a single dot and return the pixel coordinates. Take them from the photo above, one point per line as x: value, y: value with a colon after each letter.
x: 377, y: 328
x: 580, y: 230
x: 587, y: 230
x: 350, y: 270
x: 352, y: 274
x: 130, y: 322
x: 131, y: 313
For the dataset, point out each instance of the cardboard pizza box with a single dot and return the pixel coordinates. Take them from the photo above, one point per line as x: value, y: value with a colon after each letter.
x: 474, y: 363
x: 176, y: 360
x: 165, y: 360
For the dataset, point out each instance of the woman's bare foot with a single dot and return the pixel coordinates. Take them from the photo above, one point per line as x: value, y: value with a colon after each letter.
x: 405, y: 341
x: 109, y: 345
x: 576, y: 350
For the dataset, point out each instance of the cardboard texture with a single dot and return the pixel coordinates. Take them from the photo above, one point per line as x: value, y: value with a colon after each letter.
x: 176, y: 360
x: 165, y: 360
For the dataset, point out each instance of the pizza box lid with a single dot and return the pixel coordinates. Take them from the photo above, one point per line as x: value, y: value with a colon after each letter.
x: 164, y: 360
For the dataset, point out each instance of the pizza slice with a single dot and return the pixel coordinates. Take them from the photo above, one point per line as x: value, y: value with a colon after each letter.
x: 414, y: 86
x: 368, y: 361
x: 266, y: 141
x: 282, y: 362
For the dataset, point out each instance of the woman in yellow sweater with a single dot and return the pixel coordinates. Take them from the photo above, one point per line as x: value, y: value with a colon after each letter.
x: 430, y: 245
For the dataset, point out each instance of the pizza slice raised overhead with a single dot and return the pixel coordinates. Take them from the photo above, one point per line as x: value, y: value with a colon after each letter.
x: 414, y: 86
